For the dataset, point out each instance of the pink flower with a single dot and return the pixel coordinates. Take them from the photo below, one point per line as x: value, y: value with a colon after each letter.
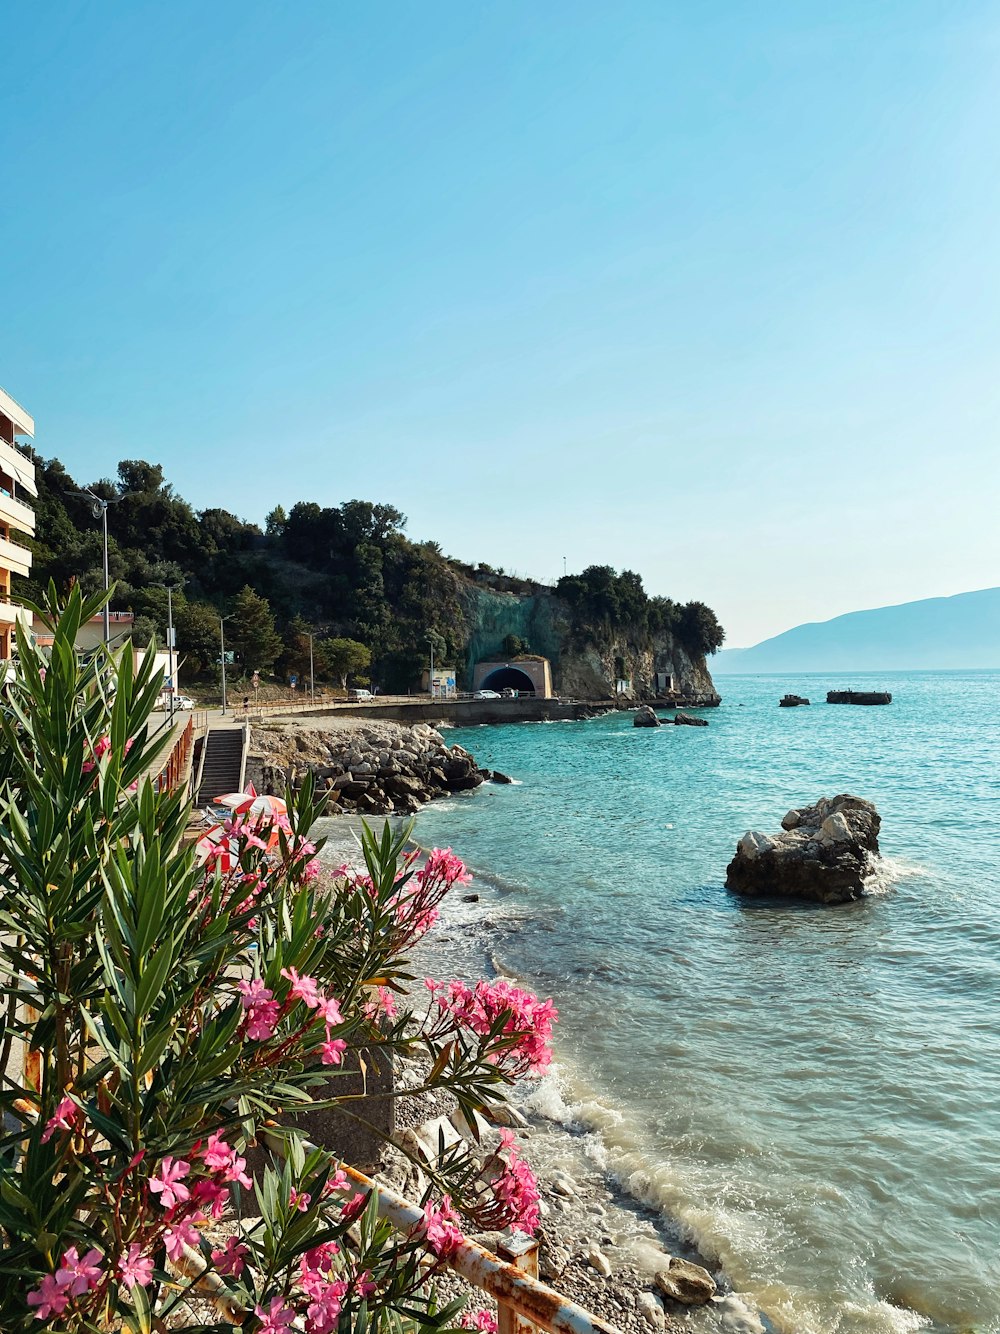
x: 78, y: 1276
x: 483, y: 1320
x: 515, y: 1188
x: 332, y: 1051
x: 168, y: 1184
x: 237, y: 1172
x: 135, y: 1267
x: 217, y: 1154
x: 337, y: 1182
x: 439, y: 1229
x: 329, y: 1011
x: 231, y: 1260
x: 383, y: 1002
x: 525, y: 1021
x: 178, y: 1236
x: 323, y: 1312
x: 262, y: 1021
x: 48, y: 1298
x: 277, y: 1319
x: 67, y: 1116
x: 210, y: 1195
x: 351, y: 1208
x: 300, y: 1201
x: 305, y: 989
x: 254, y: 993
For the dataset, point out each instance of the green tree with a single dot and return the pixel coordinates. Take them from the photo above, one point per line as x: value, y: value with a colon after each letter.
x: 251, y: 633
x: 342, y: 658
x: 198, y: 640
x: 513, y: 645
x: 295, y: 658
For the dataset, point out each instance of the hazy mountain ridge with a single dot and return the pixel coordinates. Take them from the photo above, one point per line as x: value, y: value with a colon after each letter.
x: 949, y: 633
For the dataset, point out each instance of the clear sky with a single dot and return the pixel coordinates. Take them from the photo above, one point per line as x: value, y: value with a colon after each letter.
x: 709, y: 291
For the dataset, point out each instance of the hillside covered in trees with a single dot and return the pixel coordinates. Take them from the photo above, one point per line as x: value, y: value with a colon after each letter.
x: 348, y: 573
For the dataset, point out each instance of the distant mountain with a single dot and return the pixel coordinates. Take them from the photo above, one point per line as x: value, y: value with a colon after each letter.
x: 934, y: 634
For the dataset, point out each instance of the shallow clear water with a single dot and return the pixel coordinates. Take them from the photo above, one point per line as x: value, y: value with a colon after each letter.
x: 813, y: 1093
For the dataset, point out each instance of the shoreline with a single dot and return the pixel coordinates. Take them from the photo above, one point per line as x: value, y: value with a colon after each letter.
x: 584, y: 1207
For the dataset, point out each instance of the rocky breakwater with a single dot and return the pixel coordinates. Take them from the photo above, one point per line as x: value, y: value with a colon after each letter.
x: 372, y: 767
x: 826, y: 853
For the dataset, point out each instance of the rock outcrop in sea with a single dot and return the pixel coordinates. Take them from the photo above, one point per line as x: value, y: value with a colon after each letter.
x: 825, y: 854
x: 372, y: 767
x: 646, y: 717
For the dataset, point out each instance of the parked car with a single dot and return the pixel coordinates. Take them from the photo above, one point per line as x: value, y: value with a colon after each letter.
x: 486, y: 694
x: 360, y: 694
x: 183, y: 702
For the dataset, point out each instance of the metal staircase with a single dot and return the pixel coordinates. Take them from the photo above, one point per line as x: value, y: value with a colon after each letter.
x: 223, y: 764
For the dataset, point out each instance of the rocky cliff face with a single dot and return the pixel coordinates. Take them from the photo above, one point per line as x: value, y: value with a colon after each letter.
x: 592, y: 670
x: 586, y: 668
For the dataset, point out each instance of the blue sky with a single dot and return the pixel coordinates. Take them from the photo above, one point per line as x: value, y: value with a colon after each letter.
x: 707, y: 291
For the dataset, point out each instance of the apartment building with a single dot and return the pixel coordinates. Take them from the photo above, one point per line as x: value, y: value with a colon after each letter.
x: 17, y: 481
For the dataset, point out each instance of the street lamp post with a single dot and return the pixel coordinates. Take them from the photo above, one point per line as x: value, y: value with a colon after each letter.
x: 170, y: 649
x: 312, y: 675
x: 430, y: 681
x: 100, y: 510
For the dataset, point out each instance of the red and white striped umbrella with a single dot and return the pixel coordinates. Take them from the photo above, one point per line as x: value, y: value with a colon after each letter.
x: 250, y: 804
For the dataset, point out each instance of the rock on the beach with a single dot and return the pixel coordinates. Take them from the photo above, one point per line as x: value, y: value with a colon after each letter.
x: 685, y: 1282
x: 645, y: 717
x: 596, y: 1258
x: 651, y: 1310
x: 688, y: 720
x: 825, y: 854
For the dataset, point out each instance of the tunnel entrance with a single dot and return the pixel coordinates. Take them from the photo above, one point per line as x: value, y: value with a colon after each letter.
x: 508, y: 678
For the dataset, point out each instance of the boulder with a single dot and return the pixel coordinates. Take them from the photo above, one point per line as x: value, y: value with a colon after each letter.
x: 687, y: 720
x: 685, y: 1282
x: 791, y: 701
x: 498, y: 777
x: 825, y: 854
x: 645, y: 717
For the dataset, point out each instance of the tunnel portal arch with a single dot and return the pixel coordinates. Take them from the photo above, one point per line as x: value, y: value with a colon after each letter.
x: 508, y: 678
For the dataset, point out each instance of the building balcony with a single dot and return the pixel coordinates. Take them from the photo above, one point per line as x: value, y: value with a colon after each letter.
x: 12, y: 612
x: 13, y: 557
x: 16, y: 513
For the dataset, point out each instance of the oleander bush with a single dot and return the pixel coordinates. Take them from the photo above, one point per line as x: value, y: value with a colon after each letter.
x: 160, y: 1009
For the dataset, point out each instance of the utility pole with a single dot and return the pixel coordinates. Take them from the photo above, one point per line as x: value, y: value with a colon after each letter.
x: 312, y: 676
x: 430, y: 681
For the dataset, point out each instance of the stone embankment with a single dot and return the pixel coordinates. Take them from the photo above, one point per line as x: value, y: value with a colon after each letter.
x: 371, y: 767
x: 791, y: 701
x: 826, y: 854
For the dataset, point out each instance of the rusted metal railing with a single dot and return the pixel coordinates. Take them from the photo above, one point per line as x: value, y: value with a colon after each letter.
x: 172, y: 774
x: 524, y: 1303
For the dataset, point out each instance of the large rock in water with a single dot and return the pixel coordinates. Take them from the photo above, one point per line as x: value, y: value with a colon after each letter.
x: 826, y: 853
x: 645, y: 717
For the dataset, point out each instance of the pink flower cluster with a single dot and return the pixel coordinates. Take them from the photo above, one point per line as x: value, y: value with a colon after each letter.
x: 263, y: 1012
x: 515, y: 1188
x: 67, y: 1116
x: 483, y: 1320
x: 418, y: 892
x: 439, y: 1227
x: 73, y: 1278
x: 527, y: 1027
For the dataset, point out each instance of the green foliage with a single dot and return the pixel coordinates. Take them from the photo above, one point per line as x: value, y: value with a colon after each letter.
x: 125, y: 968
x: 604, y: 601
x: 347, y: 568
x: 251, y: 633
x: 515, y: 647
x: 342, y: 658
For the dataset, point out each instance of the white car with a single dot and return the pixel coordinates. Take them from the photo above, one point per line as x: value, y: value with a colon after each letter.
x: 181, y: 702
x: 486, y: 694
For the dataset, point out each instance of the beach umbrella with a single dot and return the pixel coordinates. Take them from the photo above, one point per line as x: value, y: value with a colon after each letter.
x: 234, y: 800
x: 255, y: 807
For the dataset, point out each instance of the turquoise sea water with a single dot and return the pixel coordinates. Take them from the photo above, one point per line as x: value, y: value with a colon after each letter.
x: 812, y: 1093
